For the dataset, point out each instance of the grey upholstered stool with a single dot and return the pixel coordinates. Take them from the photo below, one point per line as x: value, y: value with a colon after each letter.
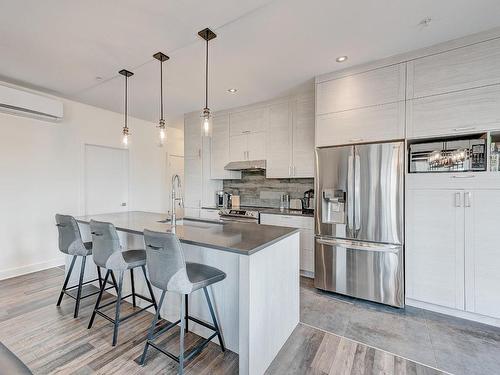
x: 107, y: 253
x: 170, y: 272
x: 70, y: 243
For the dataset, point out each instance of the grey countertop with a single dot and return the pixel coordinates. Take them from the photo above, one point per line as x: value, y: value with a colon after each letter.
x: 241, y: 238
x: 271, y: 210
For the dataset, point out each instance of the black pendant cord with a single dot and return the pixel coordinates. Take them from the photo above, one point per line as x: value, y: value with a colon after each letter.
x: 126, y: 101
x: 206, y: 78
x: 161, y: 90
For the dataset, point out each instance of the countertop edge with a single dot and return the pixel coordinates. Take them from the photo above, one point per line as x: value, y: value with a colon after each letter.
x: 201, y: 244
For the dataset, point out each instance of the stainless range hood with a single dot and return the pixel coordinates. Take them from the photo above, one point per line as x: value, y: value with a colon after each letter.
x: 246, y: 165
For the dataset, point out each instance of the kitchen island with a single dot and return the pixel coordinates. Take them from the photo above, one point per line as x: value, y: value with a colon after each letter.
x: 257, y: 304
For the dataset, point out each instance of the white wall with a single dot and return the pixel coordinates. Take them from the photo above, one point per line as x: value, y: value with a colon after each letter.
x: 41, y: 174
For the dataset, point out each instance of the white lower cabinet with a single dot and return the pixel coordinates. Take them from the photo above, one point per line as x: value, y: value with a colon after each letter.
x: 435, y: 247
x: 306, y: 226
x: 482, y: 256
x: 453, y: 249
x: 209, y: 213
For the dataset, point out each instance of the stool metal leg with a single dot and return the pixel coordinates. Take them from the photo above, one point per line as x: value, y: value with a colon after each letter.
x: 117, y: 311
x: 99, y: 297
x: 214, y: 319
x: 99, y: 276
x: 79, y: 292
x: 181, y: 344
x: 186, y: 302
x: 152, y: 328
x: 66, y: 280
x: 150, y: 288
x: 133, y: 287
x: 114, y: 281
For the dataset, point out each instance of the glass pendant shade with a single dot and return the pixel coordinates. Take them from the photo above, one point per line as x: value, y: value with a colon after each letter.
x: 206, y: 123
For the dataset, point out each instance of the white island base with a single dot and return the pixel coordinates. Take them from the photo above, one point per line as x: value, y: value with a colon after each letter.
x: 257, y: 305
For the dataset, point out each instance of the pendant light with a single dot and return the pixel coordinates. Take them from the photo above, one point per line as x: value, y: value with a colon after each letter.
x: 161, y: 57
x: 125, y: 131
x: 207, y: 35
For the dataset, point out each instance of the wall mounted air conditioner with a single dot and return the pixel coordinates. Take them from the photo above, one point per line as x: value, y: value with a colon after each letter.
x: 25, y: 103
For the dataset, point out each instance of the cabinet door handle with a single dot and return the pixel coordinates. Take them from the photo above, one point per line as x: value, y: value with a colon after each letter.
x: 464, y: 128
x: 463, y: 176
x: 289, y: 170
x: 294, y: 170
x: 467, y: 199
x: 458, y: 200
x: 354, y: 140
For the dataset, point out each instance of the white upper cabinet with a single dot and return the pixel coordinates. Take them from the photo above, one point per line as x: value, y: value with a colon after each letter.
x: 459, y: 69
x: 374, y: 87
x: 192, y: 163
x: 192, y: 137
x: 279, y: 141
x: 220, y: 149
x: 456, y: 91
x: 238, y: 147
x: 256, y: 146
x: 457, y: 112
x: 290, y: 140
x: 379, y: 123
x: 303, y: 137
x: 248, y: 121
x: 363, y: 107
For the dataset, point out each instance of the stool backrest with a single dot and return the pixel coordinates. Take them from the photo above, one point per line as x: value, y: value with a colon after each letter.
x: 166, y: 263
x: 105, y: 242
x: 70, y: 239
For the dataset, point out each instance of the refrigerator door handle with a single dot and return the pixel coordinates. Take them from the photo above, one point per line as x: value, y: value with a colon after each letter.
x: 350, y: 192
x: 377, y: 247
x: 357, y: 193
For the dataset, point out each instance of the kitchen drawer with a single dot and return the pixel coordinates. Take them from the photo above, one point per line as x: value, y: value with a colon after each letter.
x: 307, y: 260
x: 291, y: 221
x: 307, y: 239
x: 192, y: 212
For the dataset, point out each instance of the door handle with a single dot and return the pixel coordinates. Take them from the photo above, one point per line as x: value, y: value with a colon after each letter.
x: 467, y: 199
x: 458, y: 199
x: 350, y: 192
x: 357, y: 194
x: 381, y: 248
x: 464, y: 128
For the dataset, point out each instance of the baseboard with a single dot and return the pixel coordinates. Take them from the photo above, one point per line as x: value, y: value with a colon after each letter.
x: 308, y: 274
x: 23, y: 270
x: 453, y: 312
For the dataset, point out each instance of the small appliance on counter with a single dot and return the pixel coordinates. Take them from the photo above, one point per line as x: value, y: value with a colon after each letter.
x: 295, y: 204
x: 235, y: 201
x: 284, y: 202
x: 227, y: 200
x: 308, y: 201
x: 219, y: 198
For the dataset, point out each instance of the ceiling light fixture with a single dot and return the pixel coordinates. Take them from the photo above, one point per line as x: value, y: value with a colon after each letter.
x: 125, y: 131
x: 207, y: 35
x: 161, y: 57
x: 341, y: 59
x: 232, y: 91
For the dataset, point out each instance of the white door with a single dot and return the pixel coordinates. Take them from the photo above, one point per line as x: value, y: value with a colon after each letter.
x: 435, y: 247
x: 482, y: 252
x: 303, y: 138
x: 256, y: 146
x: 106, y: 179
x: 279, y: 142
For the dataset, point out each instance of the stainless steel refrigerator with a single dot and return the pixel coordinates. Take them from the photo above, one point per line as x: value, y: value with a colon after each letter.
x: 359, y: 221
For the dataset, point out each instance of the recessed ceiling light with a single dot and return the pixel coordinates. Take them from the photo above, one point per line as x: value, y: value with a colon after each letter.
x: 341, y: 59
x: 425, y: 22
x: 232, y: 91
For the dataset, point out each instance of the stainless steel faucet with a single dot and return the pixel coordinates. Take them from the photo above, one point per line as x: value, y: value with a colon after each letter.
x: 175, y: 198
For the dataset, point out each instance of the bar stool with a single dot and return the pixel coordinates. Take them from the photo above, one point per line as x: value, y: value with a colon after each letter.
x: 107, y: 253
x: 70, y: 243
x: 170, y: 272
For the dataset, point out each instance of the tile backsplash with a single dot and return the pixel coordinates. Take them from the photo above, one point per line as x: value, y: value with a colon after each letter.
x: 255, y: 189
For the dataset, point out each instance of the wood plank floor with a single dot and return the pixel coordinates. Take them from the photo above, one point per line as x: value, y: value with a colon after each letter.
x: 49, y: 341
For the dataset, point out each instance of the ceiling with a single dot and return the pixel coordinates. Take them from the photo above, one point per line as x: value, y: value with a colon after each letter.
x: 263, y: 48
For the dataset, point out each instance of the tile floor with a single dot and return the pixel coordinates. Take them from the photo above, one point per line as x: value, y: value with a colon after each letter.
x: 451, y: 344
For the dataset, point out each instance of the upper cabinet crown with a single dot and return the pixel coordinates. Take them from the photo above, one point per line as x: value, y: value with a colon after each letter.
x: 362, y: 107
